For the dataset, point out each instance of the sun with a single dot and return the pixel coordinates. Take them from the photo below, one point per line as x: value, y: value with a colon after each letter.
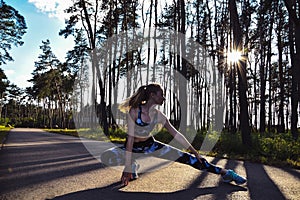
x: 234, y: 56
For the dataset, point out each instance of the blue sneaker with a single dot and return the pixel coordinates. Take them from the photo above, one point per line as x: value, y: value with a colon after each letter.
x: 135, y: 168
x: 232, y: 176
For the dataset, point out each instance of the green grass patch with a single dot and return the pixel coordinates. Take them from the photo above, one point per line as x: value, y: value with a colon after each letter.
x: 71, y: 132
x: 117, y: 135
x: 3, y: 132
x: 274, y: 149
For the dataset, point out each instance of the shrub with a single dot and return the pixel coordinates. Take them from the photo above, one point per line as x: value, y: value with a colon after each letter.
x: 280, y: 147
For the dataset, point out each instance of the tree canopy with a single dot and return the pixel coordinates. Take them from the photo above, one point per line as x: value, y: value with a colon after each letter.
x: 12, y: 28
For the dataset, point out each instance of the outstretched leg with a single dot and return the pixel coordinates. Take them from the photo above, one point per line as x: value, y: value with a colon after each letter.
x: 168, y: 152
x: 165, y: 151
x: 114, y: 156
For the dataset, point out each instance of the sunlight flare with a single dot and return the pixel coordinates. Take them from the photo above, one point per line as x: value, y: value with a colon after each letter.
x: 234, y: 56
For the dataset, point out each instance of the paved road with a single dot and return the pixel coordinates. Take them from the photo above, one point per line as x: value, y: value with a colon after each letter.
x: 39, y: 165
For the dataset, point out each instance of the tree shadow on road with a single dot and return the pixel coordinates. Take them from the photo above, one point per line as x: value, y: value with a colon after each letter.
x: 292, y: 172
x: 28, y: 165
x: 42, y: 163
x: 112, y: 192
x: 260, y: 184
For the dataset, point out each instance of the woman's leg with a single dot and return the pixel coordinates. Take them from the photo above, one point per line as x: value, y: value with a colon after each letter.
x: 165, y: 151
x: 114, y: 156
x: 168, y: 152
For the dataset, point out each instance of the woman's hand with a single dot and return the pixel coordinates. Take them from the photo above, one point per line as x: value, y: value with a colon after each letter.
x: 126, y: 177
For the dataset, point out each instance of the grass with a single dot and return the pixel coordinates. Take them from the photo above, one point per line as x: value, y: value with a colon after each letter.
x: 271, y: 149
x: 94, y: 134
x: 3, y: 132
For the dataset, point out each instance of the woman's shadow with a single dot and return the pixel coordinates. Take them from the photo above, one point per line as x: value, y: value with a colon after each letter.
x: 113, y: 192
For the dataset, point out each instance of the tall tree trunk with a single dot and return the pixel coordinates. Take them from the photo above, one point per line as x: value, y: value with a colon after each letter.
x: 270, y: 69
x: 242, y: 84
x: 262, y: 67
x: 149, y: 42
x: 183, y: 68
x: 281, y: 127
x: 294, y: 37
x: 91, y: 31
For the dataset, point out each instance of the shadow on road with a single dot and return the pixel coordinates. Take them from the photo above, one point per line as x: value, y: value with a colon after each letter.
x: 30, y: 160
x: 260, y: 184
x: 45, y: 170
x: 109, y: 192
x: 26, y: 164
x: 292, y: 172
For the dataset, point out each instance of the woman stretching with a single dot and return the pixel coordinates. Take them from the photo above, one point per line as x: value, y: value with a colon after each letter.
x: 142, y: 118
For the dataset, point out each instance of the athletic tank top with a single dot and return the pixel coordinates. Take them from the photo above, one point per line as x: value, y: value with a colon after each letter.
x: 145, y: 129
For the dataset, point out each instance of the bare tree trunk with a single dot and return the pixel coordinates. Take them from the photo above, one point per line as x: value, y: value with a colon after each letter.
x: 91, y: 31
x: 262, y: 75
x: 242, y: 84
x: 281, y: 127
x: 294, y: 37
x: 270, y: 70
x: 149, y: 41
x: 183, y: 68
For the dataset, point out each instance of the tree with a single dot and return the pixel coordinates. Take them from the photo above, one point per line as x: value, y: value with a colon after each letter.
x: 4, y: 83
x: 15, y: 95
x: 76, y: 61
x: 293, y: 8
x: 87, y: 12
x: 91, y: 14
x: 242, y: 79
x: 48, y: 83
x: 12, y: 28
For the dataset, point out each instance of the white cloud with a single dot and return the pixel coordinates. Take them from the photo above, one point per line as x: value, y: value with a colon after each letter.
x: 21, y: 80
x: 54, y: 8
x: 9, y: 72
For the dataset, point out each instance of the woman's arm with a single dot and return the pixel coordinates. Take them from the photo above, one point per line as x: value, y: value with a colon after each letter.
x: 127, y: 172
x: 180, y: 138
x: 127, y: 175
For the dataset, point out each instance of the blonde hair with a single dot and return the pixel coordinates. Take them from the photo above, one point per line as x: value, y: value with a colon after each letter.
x: 141, y: 96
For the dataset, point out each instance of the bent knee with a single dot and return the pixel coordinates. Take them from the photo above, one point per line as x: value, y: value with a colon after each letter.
x: 111, y: 158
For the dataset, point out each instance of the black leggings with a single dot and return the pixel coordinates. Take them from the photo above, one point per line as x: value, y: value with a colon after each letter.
x: 116, y: 155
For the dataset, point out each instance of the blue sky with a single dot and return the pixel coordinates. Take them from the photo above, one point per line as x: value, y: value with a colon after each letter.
x: 44, y: 20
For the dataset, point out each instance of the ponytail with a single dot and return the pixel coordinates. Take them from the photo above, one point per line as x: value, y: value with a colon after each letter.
x: 141, y: 96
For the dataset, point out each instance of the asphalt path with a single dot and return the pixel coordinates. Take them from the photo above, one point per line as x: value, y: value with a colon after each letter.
x: 38, y: 165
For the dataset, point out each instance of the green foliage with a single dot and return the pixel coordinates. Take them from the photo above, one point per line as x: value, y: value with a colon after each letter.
x: 117, y: 135
x: 274, y: 149
x: 3, y: 83
x: 163, y: 136
x: 3, y: 132
x: 3, y: 121
x: 231, y: 144
x: 280, y: 147
x: 71, y: 132
x: 12, y: 28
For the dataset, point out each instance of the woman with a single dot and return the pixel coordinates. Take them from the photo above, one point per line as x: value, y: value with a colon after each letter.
x: 142, y: 118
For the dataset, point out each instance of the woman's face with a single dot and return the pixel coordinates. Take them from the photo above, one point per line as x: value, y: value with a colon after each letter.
x: 158, y: 97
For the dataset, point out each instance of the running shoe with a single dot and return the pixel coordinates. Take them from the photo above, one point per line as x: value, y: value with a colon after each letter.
x: 232, y: 176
